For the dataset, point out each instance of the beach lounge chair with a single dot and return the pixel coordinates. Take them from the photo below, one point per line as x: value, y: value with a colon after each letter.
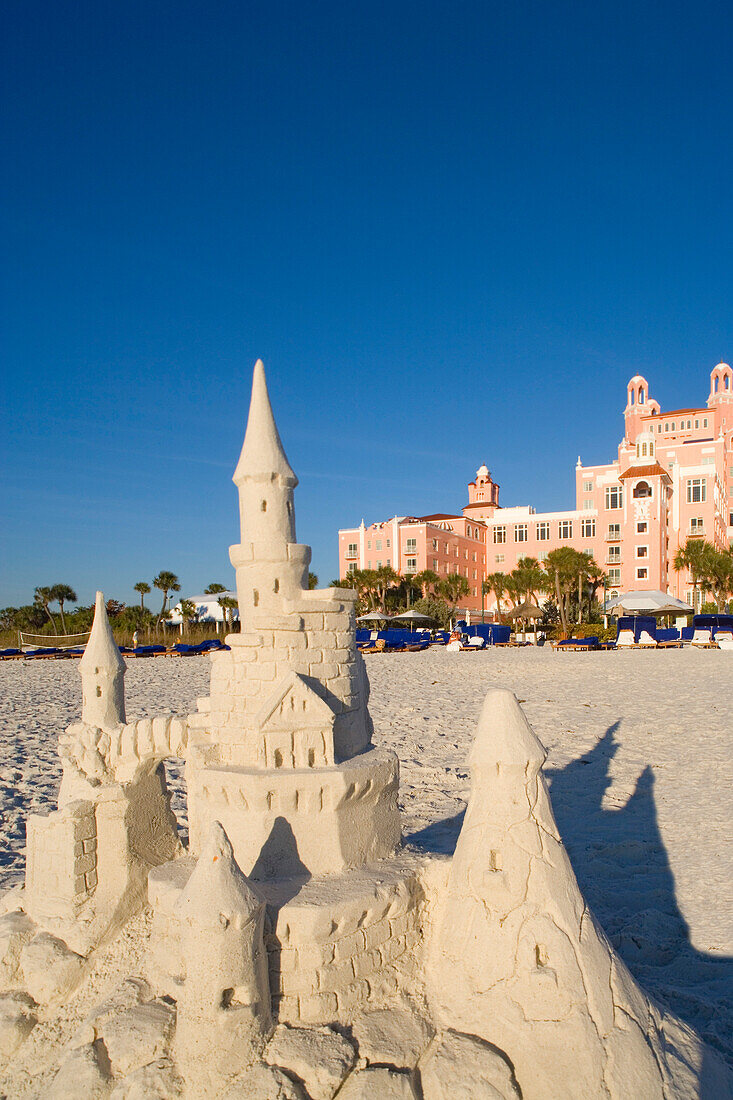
x: 724, y: 638
x: 702, y: 639
x: 626, y: 640
x: 646, y: 641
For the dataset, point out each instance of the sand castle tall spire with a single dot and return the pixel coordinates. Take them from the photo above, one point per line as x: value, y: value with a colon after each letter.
x: 269, y: 565
x: 102, y: 674
x: 263, y: 454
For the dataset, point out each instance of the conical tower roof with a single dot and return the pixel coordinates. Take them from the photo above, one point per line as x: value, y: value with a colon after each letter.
x: 504, y: 736
x: 101, y: 650
x: 262, y: 451
x: 218, y: 886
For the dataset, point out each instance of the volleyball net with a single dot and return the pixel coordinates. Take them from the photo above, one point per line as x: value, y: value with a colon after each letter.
x: 52, y: 641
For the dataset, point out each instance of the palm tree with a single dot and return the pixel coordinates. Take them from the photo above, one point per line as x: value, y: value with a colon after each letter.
x: 143, y: 588
x: 312, y: 581
x: 188, y: 613
x: 496, y: 583
x: 691, y: 556
x: 166, y: 582
x: 42, y: 597
x: 61, y: 593
x: 453, y: 587
x: 385, y: 578
x: 530, y: 578
x: 427, y: 581
x: 227, y: 605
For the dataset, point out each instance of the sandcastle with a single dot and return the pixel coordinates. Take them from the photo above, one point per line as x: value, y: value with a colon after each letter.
x: 297, y: 949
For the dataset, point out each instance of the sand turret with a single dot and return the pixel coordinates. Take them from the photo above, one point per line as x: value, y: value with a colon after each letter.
x: 270, y: 566
x: 102, y: 674
x: 224, y: 1016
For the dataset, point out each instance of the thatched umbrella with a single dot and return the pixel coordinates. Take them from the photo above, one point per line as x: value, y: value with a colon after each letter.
x: 525, y: 610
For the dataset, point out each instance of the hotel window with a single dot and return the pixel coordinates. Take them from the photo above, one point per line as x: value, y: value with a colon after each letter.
x: 697, y: 423
x: 673, y: 425
x: 614, y: 553
x: 587, y: 505
x: 641, y: 490
x: 351, y: 567
x: 474, y: 574
x: 642, y: 574
x: 565, y: 528
x: 499, y: 534
x: 435, y: 564
x: 642, y: 551
x: 614, y: 577
x: 666, y: 427
x: 641, y: 528
x: 588, y: 528
x: 412, y: 565
x: 352, y: 550
x: 696, y: 525
x: 521, y: 557
x: 473, y: 556
x: 542, y: 556
x: 465, y: 554
x: 499, y: 559
x: 411, y: 546
x: 520, y: 532
x: 435, y: 544
x: 543, y: 531
x: 705, y: 422
x: 587, y: 486
x: 379, y: 565
x: 387, y: 543
x: 696, y: 490
x: 614, y: 530
x: 614, y: 497
x: 379, y: 544
x: 730, y: 519
x: 707, y: 461
x: 369, y: 546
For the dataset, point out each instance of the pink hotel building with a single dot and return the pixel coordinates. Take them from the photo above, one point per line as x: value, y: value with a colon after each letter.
x: 673, y: 479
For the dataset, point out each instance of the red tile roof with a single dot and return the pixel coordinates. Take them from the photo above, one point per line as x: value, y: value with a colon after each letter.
x: 644, y: 471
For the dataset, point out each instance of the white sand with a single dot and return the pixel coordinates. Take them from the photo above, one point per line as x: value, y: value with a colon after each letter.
x: 639, y: 763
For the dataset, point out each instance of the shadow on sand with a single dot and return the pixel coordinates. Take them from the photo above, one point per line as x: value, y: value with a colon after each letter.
x: 623, y: 870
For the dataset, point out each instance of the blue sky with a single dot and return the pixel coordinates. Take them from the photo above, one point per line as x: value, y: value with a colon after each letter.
x: 452, y: 232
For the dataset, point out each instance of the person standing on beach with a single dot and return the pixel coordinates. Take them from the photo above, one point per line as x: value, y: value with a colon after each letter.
x: 135, y: 640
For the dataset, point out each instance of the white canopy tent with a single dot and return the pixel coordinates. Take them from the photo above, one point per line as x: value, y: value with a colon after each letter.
x: 653, y: 602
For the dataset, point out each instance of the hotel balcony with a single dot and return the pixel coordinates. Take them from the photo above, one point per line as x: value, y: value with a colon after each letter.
x: 351, y: 555
x: 612, y: 561
x: 613, y: 538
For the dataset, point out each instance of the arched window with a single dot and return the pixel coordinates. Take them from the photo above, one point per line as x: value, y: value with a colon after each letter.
x: 643, y: 489
x: 644, y: 449
x: 715, y: 384
x: 632, y: 397
x: 641, y: 395
x: 727, y: 382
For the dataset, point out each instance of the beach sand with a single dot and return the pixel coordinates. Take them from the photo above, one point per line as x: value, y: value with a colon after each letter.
x: 639, y: 764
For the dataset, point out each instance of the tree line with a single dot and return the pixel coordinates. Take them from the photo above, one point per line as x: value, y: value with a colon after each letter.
x: 50, y: 614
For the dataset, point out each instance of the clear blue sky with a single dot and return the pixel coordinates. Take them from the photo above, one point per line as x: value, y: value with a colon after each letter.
x: 451, y: 230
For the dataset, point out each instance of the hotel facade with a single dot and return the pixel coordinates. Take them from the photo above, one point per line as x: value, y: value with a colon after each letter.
x: 672, y: 480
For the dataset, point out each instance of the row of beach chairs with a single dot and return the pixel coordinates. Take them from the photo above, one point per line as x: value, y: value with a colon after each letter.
x: 641, y: 632
x: 51, y: 653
